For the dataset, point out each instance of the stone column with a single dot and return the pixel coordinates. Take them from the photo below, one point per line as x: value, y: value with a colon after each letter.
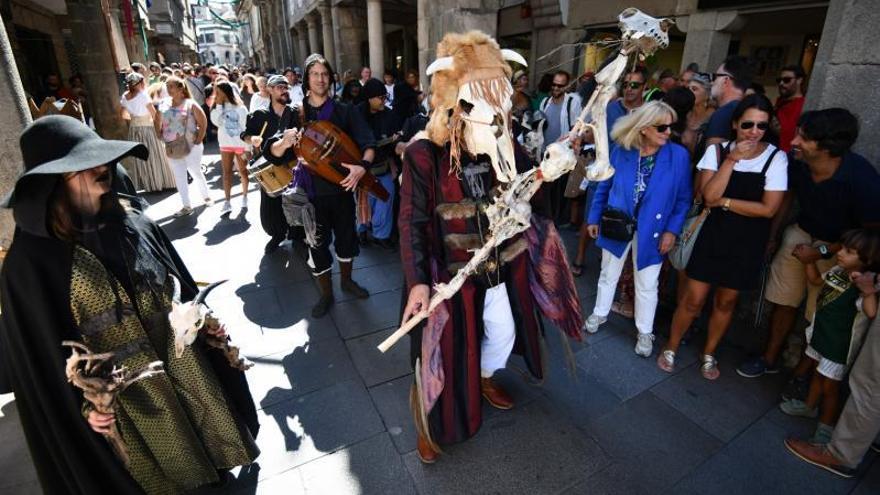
x: 349, y: 33
x: 376, y: 34
x: 846, y: 64
x: 313, y: 34
x: 91, y: 43
x: 304, y: 48
x: 14, y: 116
x: 708, y: 37
x: 426, y: 48
x: 327, y: 34
x: 409, y: 51
x: 438, y: 17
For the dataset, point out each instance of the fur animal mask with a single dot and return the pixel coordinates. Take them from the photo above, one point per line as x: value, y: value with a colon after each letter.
x: 470, y: 96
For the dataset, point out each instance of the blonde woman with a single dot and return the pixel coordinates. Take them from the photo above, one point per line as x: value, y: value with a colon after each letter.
x: 183, y: 127
x: 137, y: 107
x: 229, y: 115
x: 698, y: 117
x: 651, y: 190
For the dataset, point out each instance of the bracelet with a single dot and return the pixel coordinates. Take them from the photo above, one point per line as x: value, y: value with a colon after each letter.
x: 367, y: 165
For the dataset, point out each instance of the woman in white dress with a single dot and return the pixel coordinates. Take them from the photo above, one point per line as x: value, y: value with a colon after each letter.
x: 154, y: 173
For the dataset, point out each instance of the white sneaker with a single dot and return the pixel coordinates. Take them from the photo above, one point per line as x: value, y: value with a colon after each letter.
x: 186, y: 210
x: 593, y: 322
x: 645, y: 344
x: 244, y: 201
x: 209, y: 202
x: 226, y: 209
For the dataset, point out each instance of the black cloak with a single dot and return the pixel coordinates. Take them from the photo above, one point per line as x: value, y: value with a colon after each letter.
x: 69, y: 457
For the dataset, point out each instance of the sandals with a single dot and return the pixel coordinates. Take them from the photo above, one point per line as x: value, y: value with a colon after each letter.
x: 577, y: 269
x: 666, y: 361
x: 709, y: 368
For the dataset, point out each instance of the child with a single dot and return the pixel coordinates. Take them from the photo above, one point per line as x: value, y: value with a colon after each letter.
x: 229, y: 115
x: 835, y: 336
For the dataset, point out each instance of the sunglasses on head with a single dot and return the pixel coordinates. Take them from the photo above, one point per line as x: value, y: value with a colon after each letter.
x: 720, y: 74
x: 663, y: 128
x: 784, y: 80
x: 632, y: 85
x: 748, y: 124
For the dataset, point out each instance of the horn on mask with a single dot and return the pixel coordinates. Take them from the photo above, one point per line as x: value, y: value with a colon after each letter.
x: 442, y: 63
x: 512, y: 56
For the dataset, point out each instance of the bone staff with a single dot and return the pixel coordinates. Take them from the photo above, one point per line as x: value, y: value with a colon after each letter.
x: 531, y: 181
x: 101, y: 388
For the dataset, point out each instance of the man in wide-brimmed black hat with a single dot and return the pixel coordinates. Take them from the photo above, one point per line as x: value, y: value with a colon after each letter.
x: 84, y: 265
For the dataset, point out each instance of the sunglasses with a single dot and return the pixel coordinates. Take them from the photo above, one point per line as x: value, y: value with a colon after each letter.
x: 633, y: 85
x: 784, y: 80
x: 663, y: 128
x: 554, y: 85
x: 720, y: 74
x: 762, y: 126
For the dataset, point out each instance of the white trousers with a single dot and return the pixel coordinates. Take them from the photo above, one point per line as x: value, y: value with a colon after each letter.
x: 499, y: 331
x: 647, y: 281
x: 193, y: 163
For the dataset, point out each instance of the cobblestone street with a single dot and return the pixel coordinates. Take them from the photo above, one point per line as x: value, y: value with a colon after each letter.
x: 335, y: 412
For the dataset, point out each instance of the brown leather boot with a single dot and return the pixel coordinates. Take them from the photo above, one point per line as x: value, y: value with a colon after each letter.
x: 496, y: 395
x: 349, y: 286
x: 426, y: 454
x: 326, y: 287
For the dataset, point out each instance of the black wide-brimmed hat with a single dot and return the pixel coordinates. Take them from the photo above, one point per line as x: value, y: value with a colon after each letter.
x: 59, y: 144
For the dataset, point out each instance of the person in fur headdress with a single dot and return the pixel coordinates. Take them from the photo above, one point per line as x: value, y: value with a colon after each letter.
x: 448, y: 179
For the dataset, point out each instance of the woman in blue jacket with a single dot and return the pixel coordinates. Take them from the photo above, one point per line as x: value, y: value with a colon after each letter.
x: 651, y: 186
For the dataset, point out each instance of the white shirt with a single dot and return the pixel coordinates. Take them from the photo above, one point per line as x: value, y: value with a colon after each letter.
x: 137, y: 106
x: 296, y: 95
x: 259, y: 102
x: 389, y: 100
x: 777, y: 174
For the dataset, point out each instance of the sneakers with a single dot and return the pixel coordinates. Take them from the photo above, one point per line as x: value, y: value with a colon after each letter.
x: 226, y: 209
x: 819, y: 456
x: 799, y: 408
x: 645, y: 344
x: 756, y: 367
x: 593, y: 322
x: 797, y: 388
x: 186, y: 210
x: 822, y: 435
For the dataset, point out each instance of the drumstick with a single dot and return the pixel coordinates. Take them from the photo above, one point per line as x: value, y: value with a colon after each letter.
x: 263, y: 129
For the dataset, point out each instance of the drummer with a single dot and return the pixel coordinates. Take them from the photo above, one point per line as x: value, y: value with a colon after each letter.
x: 261, y: 125
x: 334, y: 203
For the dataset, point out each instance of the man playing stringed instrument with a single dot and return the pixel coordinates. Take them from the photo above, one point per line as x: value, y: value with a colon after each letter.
x: 333, y: 203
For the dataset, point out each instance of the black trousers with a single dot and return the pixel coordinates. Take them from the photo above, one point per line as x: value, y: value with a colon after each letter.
x: 271, y: 215
x: 335, y: 216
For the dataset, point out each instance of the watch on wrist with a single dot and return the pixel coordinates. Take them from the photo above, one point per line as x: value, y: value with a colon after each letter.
x: 824, y: 252
x: 726, y: 205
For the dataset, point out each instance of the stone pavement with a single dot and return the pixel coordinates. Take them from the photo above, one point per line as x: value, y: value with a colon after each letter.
x: 335, y: 416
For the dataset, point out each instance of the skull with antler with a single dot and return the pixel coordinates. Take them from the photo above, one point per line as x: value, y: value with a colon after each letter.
x: 471, y: 94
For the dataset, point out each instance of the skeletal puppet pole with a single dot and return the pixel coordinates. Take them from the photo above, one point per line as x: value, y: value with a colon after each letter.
x: 102, y: 382
x: 510, y: 212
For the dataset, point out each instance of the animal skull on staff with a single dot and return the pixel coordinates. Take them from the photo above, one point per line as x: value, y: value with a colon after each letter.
x: 510, y: 212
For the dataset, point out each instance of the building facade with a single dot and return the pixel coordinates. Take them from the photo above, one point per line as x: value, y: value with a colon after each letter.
x: 219, y: 37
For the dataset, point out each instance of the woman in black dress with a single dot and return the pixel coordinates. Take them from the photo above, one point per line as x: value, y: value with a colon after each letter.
x: 744, y: 193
